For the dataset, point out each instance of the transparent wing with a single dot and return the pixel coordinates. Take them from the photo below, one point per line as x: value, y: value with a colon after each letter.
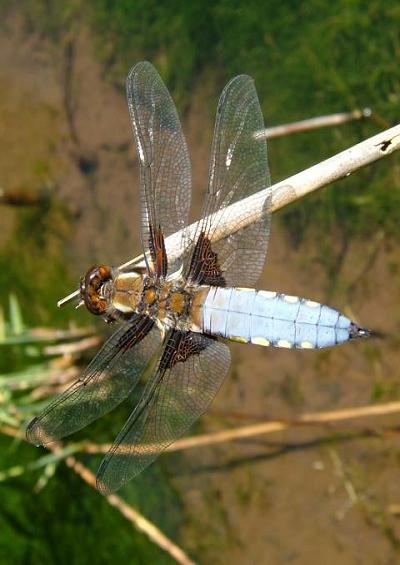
x: 238, y: 168
x: 165, y: 170
x: 108, y: 380
x: 190, y: 373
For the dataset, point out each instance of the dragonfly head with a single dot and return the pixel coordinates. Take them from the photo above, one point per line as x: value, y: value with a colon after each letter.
x: 93, y: 289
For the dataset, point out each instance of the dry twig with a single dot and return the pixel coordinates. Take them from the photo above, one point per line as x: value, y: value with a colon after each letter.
x: 252, y: 208
x: 136, y: 518
x: 315, y: 418
x: 314, y: 123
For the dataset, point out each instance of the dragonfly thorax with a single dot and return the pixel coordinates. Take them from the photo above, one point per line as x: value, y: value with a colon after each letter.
x: 169, y: 301
x: 125, y: 294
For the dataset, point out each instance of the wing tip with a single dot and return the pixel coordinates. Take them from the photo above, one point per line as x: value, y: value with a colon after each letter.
x: 138, y: 67
x: 37, y: 434
x: 101, y: 486
x: 242, y: 79
x: 32, y: 433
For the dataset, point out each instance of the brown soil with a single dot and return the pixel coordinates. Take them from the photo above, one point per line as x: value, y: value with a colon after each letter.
x: 307, y: 496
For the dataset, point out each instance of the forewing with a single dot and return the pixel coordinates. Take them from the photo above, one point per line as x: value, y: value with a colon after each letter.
x: 189, y: 375
x: 165, y: 170
x: 238, y: 168
x: 106, y: 382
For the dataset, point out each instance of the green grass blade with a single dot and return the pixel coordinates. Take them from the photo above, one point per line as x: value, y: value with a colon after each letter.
x: 2, y: 325
x: 16, y: 321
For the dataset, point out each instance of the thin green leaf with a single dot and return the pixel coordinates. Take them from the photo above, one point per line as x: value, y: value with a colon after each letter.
x: 48, y: 473
x: 2, y: 325
x: 16, y: 321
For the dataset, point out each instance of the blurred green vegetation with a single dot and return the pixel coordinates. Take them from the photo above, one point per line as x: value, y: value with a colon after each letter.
x: 67, y: 522
x: 34, y: 262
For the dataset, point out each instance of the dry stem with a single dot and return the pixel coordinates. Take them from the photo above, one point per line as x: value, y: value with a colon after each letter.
x: 314, y: 123
x: 252, y: 208
x: 314, y: 418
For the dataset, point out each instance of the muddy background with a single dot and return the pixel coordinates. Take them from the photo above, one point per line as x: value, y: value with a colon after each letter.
x: 308, y: 495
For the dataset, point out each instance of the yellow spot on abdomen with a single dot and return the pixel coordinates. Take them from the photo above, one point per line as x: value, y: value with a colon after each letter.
x: 238, y: 338
x: 284, y: 343
x: 261, y: 341
x: 267, y: 294
x: 290, y: 299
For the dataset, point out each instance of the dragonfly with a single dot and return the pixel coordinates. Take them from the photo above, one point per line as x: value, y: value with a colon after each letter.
x: 176, y: 315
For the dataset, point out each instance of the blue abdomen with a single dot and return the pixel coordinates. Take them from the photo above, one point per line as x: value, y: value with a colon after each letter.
x: 273, y: 319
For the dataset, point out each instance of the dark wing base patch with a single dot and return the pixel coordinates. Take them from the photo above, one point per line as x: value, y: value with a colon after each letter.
x: 157, y: 251
x: 180, y: 347
x: 204, y: 267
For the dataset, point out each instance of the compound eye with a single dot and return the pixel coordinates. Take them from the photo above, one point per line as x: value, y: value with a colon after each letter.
x: 94, y: 280
x: 104, y: 272
x: 90, y: 287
